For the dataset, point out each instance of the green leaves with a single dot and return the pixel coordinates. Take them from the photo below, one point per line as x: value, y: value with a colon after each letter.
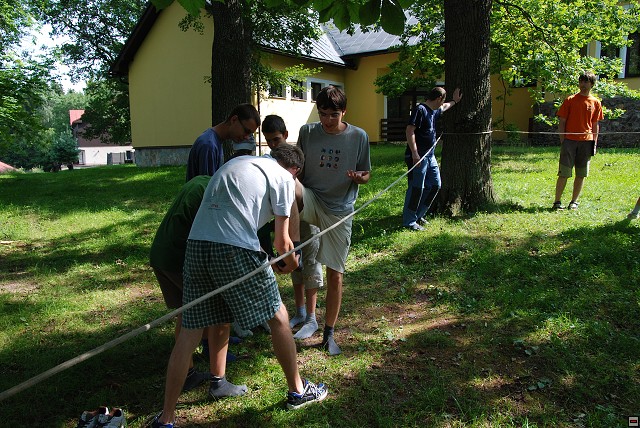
x: 390, y: 13
x: 392, y: 18
x: 193, y: 7
x: 161, y: 4
x: 370, y: 12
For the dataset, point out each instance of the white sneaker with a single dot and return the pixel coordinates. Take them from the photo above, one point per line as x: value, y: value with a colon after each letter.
x: 116, y: 419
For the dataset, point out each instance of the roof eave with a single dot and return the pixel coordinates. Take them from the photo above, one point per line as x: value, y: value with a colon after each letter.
x: 120, y: 67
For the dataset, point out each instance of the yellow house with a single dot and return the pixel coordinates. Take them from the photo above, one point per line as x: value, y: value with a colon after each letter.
x: 170, y: 96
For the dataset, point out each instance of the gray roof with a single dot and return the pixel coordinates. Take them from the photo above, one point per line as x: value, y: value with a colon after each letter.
x: 333, y: 47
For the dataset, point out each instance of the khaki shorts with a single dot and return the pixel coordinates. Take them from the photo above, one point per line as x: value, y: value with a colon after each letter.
x: 575, y: 153
x: 311, y: 275
x: 334, y: 245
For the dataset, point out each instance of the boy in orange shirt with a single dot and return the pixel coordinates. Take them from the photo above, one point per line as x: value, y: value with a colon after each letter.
x: 578, y: 128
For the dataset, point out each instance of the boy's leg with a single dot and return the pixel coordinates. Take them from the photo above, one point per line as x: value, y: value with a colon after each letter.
x: 285, y: 349
x: 334, y: 301
x: 310, y: 325
x: 415, y: 182
x: 561, y: 183
x: 218, y: 336
x: 301, y: 312
x: 578, y: 184
x: 218, y: 346
x: 177, y: 370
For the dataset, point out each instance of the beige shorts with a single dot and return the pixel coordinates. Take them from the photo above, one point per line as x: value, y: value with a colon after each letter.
x: 311, y: 274
x: 334, y: 245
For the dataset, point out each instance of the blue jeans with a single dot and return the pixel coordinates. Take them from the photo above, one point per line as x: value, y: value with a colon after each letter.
x: 423, y: 186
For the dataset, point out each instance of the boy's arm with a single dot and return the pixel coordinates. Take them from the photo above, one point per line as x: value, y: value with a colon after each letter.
x: 562, y: 124
x: 283, y: 244
x: 457, y: 96
x: 411, y: 142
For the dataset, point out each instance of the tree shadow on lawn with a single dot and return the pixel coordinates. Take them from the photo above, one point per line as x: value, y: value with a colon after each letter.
x: 547, y: 336
x: 455, y: 328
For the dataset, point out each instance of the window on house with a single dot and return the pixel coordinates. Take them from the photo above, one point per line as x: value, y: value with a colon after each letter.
x: 609, y: 52
x: 298, y: 90
x: 276, y: 90
x: 633, y: 56
x: 316, y: 87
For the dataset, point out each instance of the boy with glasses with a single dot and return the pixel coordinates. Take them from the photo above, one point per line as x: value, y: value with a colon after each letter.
x: 336, y: 163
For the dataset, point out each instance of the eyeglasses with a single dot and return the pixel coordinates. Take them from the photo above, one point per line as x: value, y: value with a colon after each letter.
x: 245, y: 129
x: 324, y: 115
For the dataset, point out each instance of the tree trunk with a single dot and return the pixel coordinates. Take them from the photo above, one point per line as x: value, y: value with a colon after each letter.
x: 230, y: 60
x: 466, y: 148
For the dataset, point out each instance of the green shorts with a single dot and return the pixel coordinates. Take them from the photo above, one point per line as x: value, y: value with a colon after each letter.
x: 575, y: 153
x: 211, y: 265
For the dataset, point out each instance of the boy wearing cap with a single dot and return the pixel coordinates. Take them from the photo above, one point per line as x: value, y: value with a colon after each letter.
x: 307, y: 281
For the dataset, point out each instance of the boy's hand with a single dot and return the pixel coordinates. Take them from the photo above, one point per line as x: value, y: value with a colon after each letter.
x: 359, y: 177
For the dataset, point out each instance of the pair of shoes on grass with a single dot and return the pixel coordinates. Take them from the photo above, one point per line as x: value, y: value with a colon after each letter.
x: 557, y: 205
x: 101, y: 417
x: 414, y: 227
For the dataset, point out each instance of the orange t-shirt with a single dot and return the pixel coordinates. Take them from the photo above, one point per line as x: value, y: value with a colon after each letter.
x: 582, y: 114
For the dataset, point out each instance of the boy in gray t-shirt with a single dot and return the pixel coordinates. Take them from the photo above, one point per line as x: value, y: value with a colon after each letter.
x: 336, y: 162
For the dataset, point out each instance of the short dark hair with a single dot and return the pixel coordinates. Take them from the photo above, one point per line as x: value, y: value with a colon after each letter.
x: 331, y: 98
x: 436, y: 93
x: 588, y: 76
x: 288, y: 156
x: 273, y: 123
x: 245, y: 112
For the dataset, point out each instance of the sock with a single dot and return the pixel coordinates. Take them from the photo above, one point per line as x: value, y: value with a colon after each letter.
x: 301, y: 315
x: 329, y: 342
x: 221, y: 387
x: 308, y: 328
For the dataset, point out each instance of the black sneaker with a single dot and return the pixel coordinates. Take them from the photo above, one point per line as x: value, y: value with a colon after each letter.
x: 573, y: 205
x: 311, y: 394
x: 557, y: 205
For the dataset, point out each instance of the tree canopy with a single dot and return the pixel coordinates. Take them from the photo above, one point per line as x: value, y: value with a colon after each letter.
x: 540, y: 44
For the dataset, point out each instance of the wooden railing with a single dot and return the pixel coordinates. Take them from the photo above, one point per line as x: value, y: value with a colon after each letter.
x: 393, y: 129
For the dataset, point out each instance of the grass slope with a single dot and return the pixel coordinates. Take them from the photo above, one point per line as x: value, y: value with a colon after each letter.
x: 514, y: 316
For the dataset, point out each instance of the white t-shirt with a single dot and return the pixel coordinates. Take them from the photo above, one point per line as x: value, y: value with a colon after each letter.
x: 242, y: 196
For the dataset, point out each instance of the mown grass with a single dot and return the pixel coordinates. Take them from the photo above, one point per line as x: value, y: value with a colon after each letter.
x: 514, y: 316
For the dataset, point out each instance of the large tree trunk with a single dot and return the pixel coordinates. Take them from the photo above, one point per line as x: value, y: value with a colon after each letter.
x: 466, y: 149
x: 230, y: 60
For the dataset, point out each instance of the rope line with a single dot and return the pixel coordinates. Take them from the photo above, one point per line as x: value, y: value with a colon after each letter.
x: 136, y: 332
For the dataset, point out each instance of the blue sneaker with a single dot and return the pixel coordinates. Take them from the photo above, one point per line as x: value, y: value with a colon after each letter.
x: 312, y: 393
x: 157, y: 424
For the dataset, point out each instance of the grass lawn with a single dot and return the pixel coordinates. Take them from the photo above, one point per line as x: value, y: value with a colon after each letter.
x: 515, y: 316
